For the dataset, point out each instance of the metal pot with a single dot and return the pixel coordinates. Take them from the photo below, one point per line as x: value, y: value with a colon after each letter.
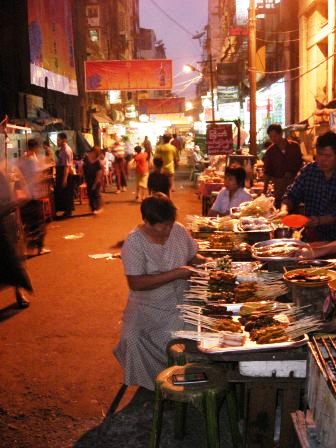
x: 283, y: 232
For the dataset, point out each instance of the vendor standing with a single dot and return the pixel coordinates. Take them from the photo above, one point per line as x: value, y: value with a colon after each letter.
x: 233, y: 193
x: 282, y: 161
x: 64, y: 186
x: 315, y: 188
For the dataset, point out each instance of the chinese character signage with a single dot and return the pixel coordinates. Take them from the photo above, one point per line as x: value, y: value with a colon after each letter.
x: 227, y: 94
x: 51, y: 45
x: 219, y: 139
x: 136, y: 74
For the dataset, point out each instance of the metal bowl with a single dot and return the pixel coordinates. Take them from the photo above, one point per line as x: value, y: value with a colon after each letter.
x: 283, y: 232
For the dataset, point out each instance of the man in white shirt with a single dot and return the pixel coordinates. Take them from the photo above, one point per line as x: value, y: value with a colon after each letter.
x: 233, y: 193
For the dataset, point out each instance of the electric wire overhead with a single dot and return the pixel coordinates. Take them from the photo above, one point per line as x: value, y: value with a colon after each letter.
x: 171, y: 18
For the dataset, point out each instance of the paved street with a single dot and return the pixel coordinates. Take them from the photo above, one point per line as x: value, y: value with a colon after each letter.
x: 58, y: 378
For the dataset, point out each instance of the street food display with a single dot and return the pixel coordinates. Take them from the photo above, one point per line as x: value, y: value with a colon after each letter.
x: 279, y: 249
x: 227, y: 286
x: 310, y: 277
x: 261, y: 206
x: 254, y: 224
x: 258, y: 326
x: 210, y: 175
x: 196, y: 223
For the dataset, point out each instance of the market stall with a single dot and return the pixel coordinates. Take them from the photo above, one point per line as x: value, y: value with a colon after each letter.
x: 260, y: 314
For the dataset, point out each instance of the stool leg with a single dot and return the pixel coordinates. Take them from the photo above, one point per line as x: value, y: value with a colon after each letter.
x: 157, y: 418
x: 180, y: 417
x: 211, y: 419
x: 233, y: 418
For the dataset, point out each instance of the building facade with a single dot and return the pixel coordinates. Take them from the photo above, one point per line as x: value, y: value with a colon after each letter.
x: 317, y: 50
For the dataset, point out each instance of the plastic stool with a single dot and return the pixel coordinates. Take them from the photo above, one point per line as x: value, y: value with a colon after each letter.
x: 206, y: 397
x: 181, y: 351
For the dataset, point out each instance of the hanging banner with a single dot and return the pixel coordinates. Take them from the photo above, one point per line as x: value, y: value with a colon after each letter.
x: 227, y: 74
x: 136, y: 74
x: 52, y: 60
x: 219, y: 139
x: 173, y: 105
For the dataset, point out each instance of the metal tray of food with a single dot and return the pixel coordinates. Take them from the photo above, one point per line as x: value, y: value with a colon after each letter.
x: 238, y: 228
x: 310, y: 277
x: 289, y: 246
x: 211, y: 348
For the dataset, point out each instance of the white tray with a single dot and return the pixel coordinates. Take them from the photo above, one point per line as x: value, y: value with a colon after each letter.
x: 210, y: 346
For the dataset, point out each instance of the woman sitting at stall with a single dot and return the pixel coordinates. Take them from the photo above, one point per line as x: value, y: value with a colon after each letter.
x: 233, y: 193
x: 156, y: 255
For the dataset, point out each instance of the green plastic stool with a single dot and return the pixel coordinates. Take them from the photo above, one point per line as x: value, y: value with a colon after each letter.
x: 207, y: 397
x: 181, y: 351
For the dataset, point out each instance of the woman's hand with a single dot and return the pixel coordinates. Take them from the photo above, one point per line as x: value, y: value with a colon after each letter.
x: 314, y: 221
x: 183, y: 272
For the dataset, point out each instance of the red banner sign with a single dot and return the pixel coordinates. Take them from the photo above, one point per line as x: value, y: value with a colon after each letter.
x: 219, y: 139
x: 172, y: 105
x: 137, y: 74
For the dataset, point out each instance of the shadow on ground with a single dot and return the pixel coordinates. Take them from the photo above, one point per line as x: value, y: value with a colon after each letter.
x: 131, y: 427
x: 9, y: 311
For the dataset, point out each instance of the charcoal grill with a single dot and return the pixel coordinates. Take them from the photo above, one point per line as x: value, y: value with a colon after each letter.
x: 322, y: 387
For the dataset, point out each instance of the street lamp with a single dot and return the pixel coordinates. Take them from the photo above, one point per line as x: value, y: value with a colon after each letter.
x: 188, y: 68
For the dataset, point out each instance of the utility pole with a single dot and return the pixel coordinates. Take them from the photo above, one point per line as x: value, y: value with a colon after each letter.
x: 212, y: 87
x: 253, y: 78
x: 210, y: 62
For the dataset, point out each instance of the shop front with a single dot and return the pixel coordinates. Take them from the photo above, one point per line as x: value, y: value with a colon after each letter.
x: 270, y: 109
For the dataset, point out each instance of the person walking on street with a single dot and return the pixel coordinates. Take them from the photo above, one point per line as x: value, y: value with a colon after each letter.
x: 64, y: 188
x: 93, y: 173
x: 167, y: 152
x: 119, y: 167
x: 128, y: 153
x: 141, y: 168
x: 282, y: 161
x: 148, y: 148
x: 13, y: 272
x: 31, y: 212
x: 158, y: 182
x: 177, y: 143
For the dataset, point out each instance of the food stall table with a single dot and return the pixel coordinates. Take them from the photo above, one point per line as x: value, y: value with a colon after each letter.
x: 267, y: 400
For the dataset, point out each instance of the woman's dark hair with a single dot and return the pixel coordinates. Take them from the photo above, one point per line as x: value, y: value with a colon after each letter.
x: 238, y: 173
x: 158, y: 209
x: 274, y: 127
x: 158, y: 162
x: 32, y: 143
x: 137, y: 149
x: 62, y: 136
x: 327, y: 139
x: 166, y: 138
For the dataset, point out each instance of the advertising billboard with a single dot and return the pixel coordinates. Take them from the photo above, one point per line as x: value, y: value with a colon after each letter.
x: 172, y: 105
x: 51, y: 45
x: 136, y: 74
